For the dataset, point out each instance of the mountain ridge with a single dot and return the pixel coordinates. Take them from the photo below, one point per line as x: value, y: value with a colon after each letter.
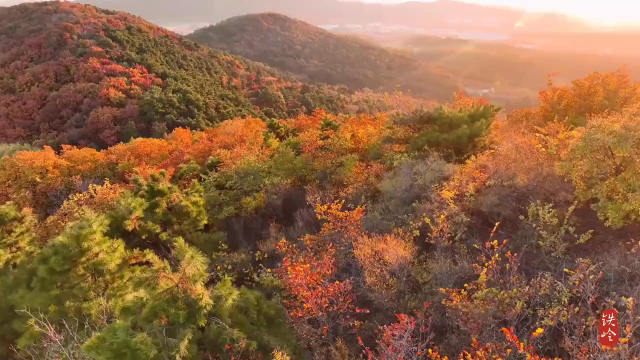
x: 319, y: 56
x: 79, y: 75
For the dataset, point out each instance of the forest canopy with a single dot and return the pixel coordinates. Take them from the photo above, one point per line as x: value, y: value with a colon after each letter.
x: 331, y: 236
x: 72, y: 74
x: 422, y: 232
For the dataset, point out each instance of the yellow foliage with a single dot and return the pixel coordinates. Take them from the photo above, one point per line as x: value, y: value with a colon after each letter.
x: 386, y: 261
x: 280, y: 355
x: 99, y: 198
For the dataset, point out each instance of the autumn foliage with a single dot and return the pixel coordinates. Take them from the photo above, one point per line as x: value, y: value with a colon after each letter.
x: 73, y: 74
x: 257, y: 221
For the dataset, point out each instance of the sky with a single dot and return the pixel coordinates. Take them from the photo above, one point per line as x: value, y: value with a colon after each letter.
x: 607, y: 12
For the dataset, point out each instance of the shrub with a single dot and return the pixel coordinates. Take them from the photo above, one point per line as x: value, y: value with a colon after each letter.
x: 387, y: 263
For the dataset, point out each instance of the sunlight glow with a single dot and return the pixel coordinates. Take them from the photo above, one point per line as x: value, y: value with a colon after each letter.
x: 603, y: 12
x: 608, y: 12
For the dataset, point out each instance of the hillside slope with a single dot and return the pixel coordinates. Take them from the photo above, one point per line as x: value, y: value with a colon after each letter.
x: 450, y: 232
x: 317, y: 55
x: 75, y: 74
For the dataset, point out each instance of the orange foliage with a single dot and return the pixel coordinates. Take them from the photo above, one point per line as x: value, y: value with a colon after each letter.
x: 462, y: 100
x: 525, y: 156
x: 317, y: 302
x: 232, y: 142
x: 308, y: 274
x: 361, y: 132
x: 596, y: 94
x: 308, y: 278
x: 386, y: 261
x: 307, y: 122
x: 30, y: 178
x: 493, y: 351
x: 340, y: 145
x: 347, y: 225
x: 363, y: 177
x: 83, y: 162
x: 354, y: 134
x: 140, y: 156
x: 467, y: 181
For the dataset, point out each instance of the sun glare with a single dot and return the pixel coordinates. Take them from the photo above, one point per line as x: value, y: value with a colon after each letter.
x: 608, y: 13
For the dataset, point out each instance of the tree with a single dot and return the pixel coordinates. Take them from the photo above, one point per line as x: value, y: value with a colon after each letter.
x: 18, y: 243
x: 17, y: 236
x: 456, y: 130
x: 319, y: 306
x: 247, y: 324
x: 386, y: 262
x: 156, y: 212
x: 118, y: 341
x: 612, y: 143
x: 10, y: 149
x: 81, y: 273
x: 596, y: 94
x: 408, y: 338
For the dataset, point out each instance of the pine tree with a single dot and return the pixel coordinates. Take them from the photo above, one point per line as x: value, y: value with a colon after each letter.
x: 156, y: 211
x: 169, y: 309
x: 81, y: 273
x: 17, y: 236
x: 247, y: 317
x: 119, y: 342
x: 456, y: 131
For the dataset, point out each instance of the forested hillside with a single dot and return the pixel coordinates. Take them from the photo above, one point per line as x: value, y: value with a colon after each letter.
x: 78, y: 75
x: 416, y: 234
x: 193, y: 205
x: 318, y: 56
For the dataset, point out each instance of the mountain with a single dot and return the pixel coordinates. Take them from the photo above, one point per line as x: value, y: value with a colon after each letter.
x: 422, y: 15
x: 75, y: 74
x: 319, y: 56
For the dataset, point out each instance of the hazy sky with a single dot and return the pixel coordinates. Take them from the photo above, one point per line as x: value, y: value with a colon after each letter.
x: 601, y: 11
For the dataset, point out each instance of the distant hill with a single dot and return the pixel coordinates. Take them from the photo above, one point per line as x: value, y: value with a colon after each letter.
x: 494, y: 64
x: 319, y: 56
x: 75, y: 74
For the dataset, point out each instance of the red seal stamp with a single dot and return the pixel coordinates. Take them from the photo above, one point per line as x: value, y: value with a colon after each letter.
x: 609, y: 331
